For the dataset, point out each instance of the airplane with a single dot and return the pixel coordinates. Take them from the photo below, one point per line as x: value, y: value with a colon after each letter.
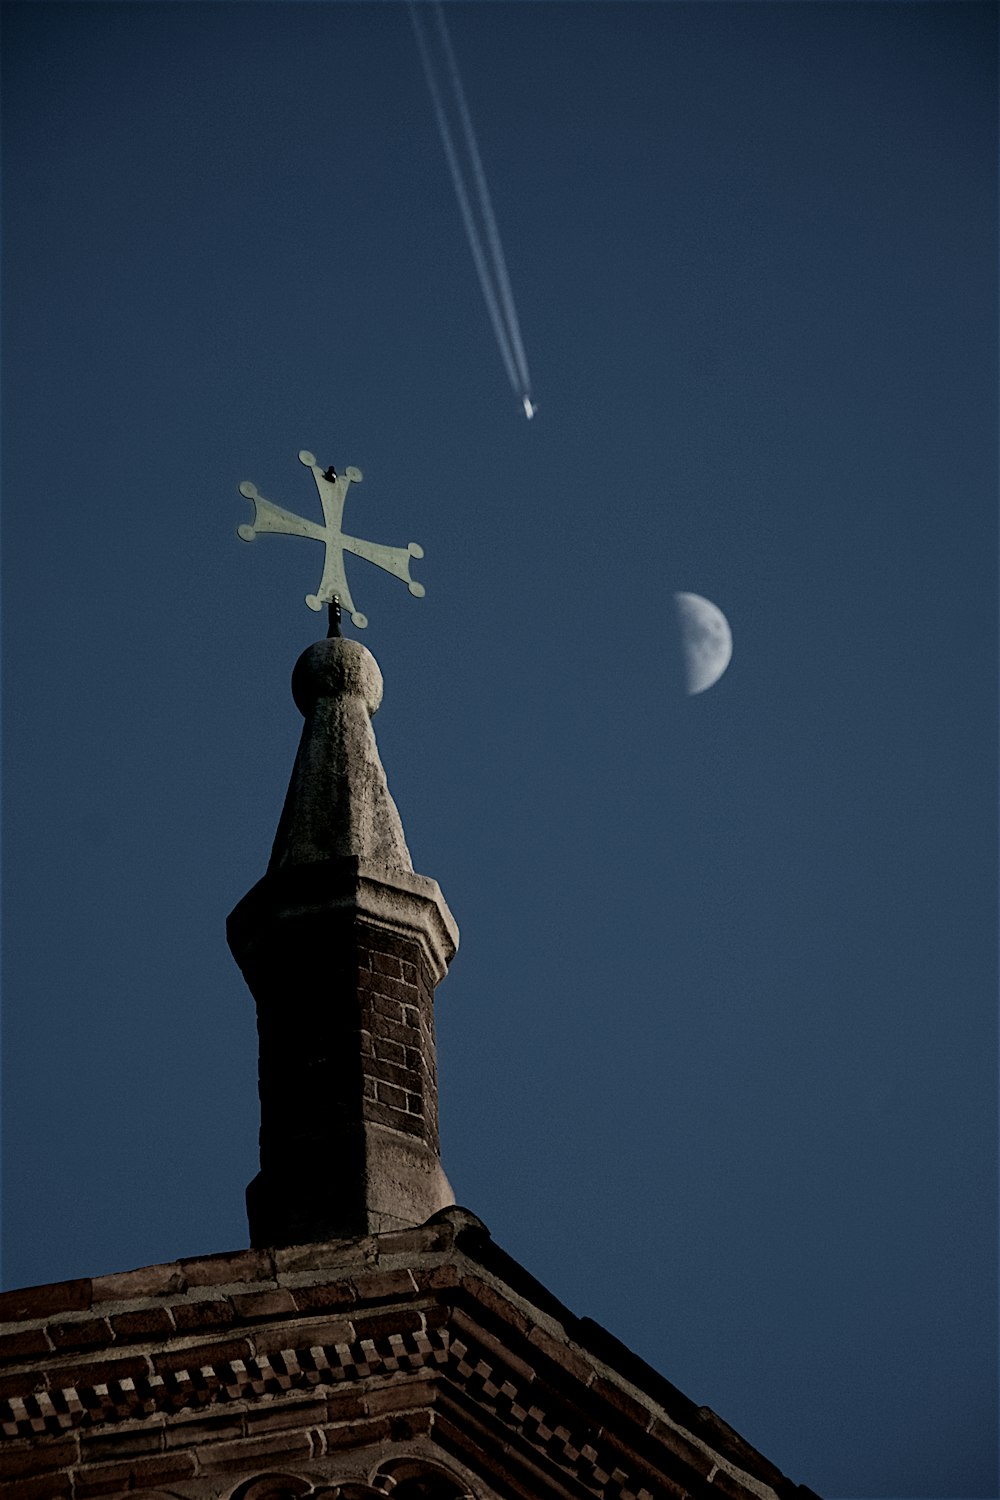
x: 530, y: 407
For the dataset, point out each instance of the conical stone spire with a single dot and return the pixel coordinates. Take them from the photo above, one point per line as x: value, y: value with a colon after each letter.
x: 342, y: 946
x: 338, y: 802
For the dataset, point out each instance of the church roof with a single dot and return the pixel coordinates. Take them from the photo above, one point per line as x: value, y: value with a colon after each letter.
x: 347, y: 1368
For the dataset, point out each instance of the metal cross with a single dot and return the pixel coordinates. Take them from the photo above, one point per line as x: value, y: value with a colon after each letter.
x: 332, y: 493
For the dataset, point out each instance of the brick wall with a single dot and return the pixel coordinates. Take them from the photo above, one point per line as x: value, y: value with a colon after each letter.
x: 425, y: 1357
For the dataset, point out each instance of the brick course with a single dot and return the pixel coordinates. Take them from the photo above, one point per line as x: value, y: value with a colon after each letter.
x: 439, y: 1340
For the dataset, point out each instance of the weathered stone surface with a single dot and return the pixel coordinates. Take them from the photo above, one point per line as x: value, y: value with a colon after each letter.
x: 338, y: 802
x: 341, y: 945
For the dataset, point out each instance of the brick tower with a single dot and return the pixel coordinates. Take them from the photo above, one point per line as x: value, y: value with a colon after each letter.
x: 342, y: 946
x: 373, y: 1340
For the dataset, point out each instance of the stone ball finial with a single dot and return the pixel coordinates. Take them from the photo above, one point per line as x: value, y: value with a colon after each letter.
x: 335, y: 668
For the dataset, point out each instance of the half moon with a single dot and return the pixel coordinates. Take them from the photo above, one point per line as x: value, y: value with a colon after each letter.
x: 706, y: 638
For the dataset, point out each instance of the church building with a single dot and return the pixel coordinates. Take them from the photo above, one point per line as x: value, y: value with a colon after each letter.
x: 373, y: 1340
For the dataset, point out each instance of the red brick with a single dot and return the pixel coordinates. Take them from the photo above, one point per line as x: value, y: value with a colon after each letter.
x: 195, y: 1317
x: 396, y: 1119
x: 405, y: 1078
x: 383, y: 1286
x: 21, y: 1383
x: 147, y: 1281
x: 114, y: 1446
x: 356, y: 1434
x: 276, y: 1418
x: 494, y: 1350
x: 382, y: 963
x: 300, y: 1335
x: 219, y: 1270
x: 390, y: 1010
x: 252, y: 1305
x: 85, y: 1333
x: 389, y: 1094
x: 558, y: 1352
x: 345, y: 1405
x: 380, y: 1325
x: 247, y: 1452
x: 145, y: 1323
x: 498, y: 1305
x: 322, y: 1298
x: 404, y: 1428
x: 397, y: 1030
x: 411, y: 1241
x: 397, y: 1397
x: 194, y: 1357
x: 435, y: 1278
x: 677, y: 1444
x: 18, y: 1460
x: 97, y: 1371
x: 203, y: 1428
x: 332, y: 1255
x: 162, y: 1468
x: 23, y: 1344
x: 54, y: 1487
x: 394, y: 991
x: 622, y: 1401
x: 388, y: 1051
x: 42, y: 1301
x: 101, y: 1479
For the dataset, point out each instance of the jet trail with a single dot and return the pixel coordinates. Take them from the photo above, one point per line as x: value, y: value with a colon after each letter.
x: 491, y: 266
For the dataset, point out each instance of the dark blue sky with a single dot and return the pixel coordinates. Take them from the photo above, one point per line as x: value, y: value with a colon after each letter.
x: 718, y: 1054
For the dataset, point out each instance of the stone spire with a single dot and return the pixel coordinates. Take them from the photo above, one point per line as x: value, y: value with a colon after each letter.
x: 342, y: 946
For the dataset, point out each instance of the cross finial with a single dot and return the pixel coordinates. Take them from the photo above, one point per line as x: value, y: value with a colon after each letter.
x: 332, y: 489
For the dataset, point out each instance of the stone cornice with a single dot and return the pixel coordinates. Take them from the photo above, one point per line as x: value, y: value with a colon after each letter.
x: 403, y: 902
x: 422, y: 1313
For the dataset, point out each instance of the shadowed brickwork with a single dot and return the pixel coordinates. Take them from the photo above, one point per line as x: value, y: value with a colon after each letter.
x: 420, y: 1363
x: 342, y: 945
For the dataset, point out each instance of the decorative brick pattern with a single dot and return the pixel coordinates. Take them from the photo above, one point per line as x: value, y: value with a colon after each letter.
x: 192, y: 1385
x: 379, y: 1344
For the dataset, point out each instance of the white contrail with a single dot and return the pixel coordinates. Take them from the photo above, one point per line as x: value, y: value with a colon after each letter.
x: 486, y: 205
x: 491, y: 268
